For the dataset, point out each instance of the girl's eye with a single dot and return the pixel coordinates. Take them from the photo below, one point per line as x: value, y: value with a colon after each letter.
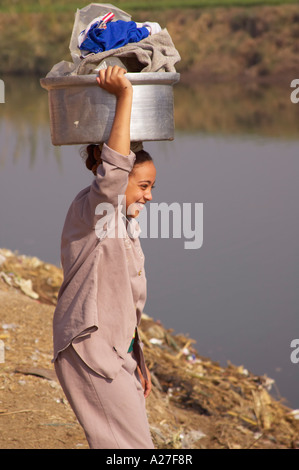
x: 145, y: 186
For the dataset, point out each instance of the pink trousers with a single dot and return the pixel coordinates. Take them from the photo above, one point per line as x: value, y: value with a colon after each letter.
x: 111, y: 412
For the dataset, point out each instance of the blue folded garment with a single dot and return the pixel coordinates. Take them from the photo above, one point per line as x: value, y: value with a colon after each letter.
x: 115, y: 35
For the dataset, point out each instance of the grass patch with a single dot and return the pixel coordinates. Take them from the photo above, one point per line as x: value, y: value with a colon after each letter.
x: 46, y: 6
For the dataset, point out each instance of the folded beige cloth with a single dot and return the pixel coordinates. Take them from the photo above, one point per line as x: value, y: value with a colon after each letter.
x: 156, y: 53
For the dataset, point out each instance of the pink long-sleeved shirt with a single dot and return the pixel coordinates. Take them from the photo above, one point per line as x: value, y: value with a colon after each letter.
x: 103, y: 292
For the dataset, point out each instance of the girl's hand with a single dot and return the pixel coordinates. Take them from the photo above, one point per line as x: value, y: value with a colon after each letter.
x: 114, y: 81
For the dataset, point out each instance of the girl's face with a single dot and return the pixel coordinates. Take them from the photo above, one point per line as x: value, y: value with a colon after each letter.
x: 139, y: 189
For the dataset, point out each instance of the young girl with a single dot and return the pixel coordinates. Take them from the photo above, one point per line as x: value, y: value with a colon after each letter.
x: 97, y: 352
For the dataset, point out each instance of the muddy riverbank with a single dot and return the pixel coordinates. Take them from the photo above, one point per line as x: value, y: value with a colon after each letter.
x: 194, y: 403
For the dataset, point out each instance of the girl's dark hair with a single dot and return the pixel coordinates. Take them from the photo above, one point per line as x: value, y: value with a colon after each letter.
x: 88, y: 155
x: 92, y: 163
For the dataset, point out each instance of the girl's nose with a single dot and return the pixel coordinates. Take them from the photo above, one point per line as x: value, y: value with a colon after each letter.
x: 148, y: 195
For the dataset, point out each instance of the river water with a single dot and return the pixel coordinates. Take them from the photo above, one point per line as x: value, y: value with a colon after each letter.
x: 236, y: 155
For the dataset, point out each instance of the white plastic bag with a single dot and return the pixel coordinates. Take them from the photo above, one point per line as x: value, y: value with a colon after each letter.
x: 84, y: 16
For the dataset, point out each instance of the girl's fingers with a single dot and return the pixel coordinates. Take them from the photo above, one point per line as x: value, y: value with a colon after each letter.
x: 104, y: 74
x: 120, y: 71
x: 111, y: 72
x: 101, y: 77
x: 108, y: 73
x: 115, y: 71
x: 112, y: 79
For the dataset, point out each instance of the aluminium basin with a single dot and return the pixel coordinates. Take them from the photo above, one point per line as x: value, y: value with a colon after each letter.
x: 81, y: 112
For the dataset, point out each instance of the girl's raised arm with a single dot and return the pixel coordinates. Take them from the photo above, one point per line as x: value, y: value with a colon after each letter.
x: 114, y: 81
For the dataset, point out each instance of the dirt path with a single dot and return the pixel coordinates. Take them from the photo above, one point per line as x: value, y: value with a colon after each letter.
x: 33, y: 411
x: 194, y: 402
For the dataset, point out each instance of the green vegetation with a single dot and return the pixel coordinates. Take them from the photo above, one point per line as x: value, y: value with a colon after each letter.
x: 47, y: 6
x: 216, y: 44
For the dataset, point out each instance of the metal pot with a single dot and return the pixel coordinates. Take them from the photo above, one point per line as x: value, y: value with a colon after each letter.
x: 81, y: 112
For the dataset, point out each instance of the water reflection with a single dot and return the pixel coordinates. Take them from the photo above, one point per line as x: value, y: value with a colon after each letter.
x: 236, y: 109
x: 24, y: 120
x: 222, y: 109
